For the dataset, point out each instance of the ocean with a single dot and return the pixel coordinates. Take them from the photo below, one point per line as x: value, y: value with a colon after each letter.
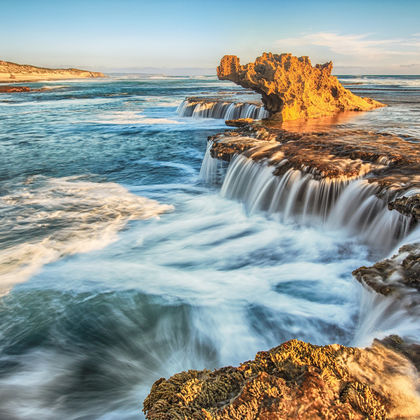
x: 121, y: 264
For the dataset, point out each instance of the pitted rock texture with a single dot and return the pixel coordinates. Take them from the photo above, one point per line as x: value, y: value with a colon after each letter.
x: 291, y: 88
x: 295, y: 380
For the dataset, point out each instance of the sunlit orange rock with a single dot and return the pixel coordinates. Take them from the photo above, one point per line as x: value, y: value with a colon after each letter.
x: 297, y: 380
x: 291, y: 88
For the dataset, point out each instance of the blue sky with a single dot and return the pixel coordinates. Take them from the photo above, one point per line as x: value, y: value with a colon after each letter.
x: 379, y: 37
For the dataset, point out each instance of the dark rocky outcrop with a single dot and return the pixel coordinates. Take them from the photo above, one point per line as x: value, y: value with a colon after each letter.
x: 240, y: 122
x: 291, y: 88
x: 296, y: 380
x: 397, y: 275
x: 12, y: 89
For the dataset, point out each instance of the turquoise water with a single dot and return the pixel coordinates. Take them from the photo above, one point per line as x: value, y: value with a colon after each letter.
x: 119, y: 265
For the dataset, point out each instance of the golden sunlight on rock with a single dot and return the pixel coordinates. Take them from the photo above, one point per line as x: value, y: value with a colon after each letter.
x: 292, y: 88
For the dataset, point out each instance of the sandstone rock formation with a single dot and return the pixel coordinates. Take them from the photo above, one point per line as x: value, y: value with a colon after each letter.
x: 12, y: 72
x: 291, y: 88
x: 295, y: 380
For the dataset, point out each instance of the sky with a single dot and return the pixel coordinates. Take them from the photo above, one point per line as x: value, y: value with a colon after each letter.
x: 190, y: 37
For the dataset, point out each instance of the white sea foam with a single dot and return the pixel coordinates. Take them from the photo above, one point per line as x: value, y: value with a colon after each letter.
x: 64, y: 216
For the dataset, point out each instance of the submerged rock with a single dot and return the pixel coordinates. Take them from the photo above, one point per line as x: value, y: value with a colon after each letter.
x: 291, y: 88
x: 295, y: 380
x: 12, y: 89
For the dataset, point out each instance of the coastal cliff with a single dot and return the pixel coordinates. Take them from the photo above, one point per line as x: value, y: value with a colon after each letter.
x: 291, y: 88
x: 12, y: 72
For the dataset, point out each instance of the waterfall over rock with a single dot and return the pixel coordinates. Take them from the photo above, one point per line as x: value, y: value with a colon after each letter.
x: 296, y: 196
x: 209, y: 108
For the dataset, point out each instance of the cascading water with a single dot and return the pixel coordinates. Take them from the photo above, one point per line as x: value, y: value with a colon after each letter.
x: 221, y: 110
x: 212, y: 170
x: 298, y: 196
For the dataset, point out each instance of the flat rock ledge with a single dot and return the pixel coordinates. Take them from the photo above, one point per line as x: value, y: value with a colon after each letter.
x: 296, y: 380
x: 291, y: 88
x: 392, y: 163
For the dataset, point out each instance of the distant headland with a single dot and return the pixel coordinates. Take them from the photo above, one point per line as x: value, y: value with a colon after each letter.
x: 12, y: 72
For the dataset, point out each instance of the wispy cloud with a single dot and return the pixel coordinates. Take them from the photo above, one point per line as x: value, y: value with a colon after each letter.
x: 354, y: 49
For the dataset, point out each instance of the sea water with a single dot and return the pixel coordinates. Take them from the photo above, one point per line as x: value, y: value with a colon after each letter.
x: 119, y: 264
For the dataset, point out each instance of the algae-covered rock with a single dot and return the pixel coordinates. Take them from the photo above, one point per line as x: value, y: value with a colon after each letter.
x: 292, y: 88
x: 296, y: 380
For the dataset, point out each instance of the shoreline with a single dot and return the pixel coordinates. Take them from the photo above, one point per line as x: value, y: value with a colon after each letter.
x: 24, y: 73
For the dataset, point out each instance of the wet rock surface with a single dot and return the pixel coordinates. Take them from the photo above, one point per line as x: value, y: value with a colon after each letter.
x: 240, y: 122
x: 295, y: 380
x: 18, y: 89
x: 397, y: 275
x: 291, y: 88
x: 388, y: 161
x: 11, y: 89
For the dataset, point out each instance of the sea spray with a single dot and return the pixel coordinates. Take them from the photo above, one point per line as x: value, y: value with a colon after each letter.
x: 62, y: 216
